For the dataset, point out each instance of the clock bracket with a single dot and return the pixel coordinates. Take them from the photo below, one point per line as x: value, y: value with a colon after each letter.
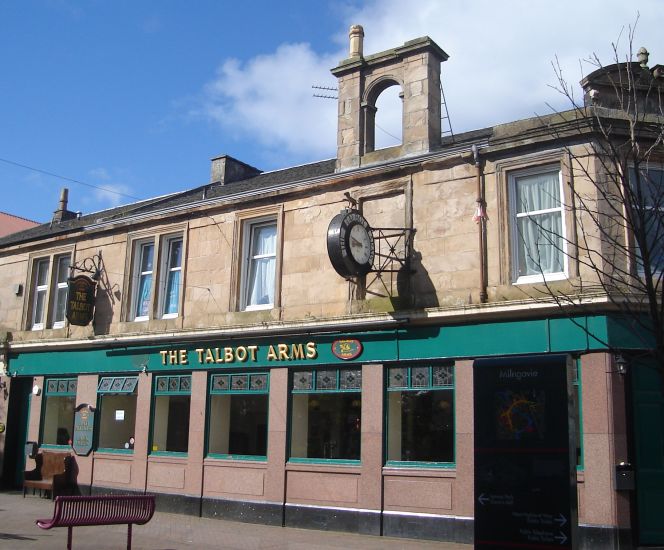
x: 394, y: 247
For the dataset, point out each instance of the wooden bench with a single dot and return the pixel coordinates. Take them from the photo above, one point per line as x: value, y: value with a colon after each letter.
x: 79, y: 511
x: 51, y: 473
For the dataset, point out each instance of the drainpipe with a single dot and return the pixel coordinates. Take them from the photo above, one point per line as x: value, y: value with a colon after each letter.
x: 481, y: 218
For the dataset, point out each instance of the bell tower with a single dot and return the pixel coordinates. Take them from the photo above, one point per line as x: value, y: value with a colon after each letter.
x: 415, y: 68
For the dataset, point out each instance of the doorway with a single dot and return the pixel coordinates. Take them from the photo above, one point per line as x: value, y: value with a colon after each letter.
x: 18, y: 414
x: 648, y: 403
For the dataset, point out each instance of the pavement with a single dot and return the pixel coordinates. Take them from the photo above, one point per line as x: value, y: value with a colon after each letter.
x: 175, y: 531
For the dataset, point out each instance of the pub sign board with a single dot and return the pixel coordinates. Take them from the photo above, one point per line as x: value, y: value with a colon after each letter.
x: 525, y: 453
x: 81, y: 300
x: 84, y: 423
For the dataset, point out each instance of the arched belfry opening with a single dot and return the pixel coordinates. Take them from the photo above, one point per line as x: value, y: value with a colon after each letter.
x: 382, y: 106
x: 415, y: 68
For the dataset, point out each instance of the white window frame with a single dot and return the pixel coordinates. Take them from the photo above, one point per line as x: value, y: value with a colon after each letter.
x: 136, y: 276
x: 59, y: 285
x: 514, y: 228
x: 38, y: 289
x: 248, y: 257
x: 49, y: 290
x: 166, y: 270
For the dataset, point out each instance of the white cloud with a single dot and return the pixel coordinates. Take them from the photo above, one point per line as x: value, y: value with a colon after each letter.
x: 499, y: 68
x: 108, y: 191
x: 270, y: 99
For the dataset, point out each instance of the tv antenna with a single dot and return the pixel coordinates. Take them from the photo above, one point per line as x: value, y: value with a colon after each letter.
x: 326, y: 89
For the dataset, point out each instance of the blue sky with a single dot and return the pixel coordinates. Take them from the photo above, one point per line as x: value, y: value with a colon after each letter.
x: 136, y: 96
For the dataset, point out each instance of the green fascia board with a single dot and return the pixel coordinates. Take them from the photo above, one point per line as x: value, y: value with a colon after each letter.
x: 487, y: 339
x: 551, y: 335
x: 627, y: 332
x: 377, y: 346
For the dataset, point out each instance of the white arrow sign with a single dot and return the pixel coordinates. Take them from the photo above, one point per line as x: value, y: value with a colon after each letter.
x: 560, y: 520
x: 562, y: 538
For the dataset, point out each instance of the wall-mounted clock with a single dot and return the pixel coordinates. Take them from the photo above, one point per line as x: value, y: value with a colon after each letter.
x: 350, y: 244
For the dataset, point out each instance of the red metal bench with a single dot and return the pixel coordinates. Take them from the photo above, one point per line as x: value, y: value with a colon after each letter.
x: 79, y: 511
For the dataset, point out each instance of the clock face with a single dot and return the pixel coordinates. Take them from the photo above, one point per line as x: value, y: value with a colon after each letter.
x: 360, y: 243
x: 350, y: 244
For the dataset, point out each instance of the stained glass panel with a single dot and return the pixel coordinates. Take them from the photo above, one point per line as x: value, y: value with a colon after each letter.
x: 419, y: 377
x: 162, y: 383
x: 303, y: 380
x: 220, y: 382
x: 443, y: 375
x: 350, y: 379
x: 258, y: 382
x: 326, y: 380
x: 105, y: 384
x: 239, y: 382
x: 397, y: 377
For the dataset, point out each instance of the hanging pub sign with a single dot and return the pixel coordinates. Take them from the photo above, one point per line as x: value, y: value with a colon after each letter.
x: 81, y: 300
x: 84, y: 422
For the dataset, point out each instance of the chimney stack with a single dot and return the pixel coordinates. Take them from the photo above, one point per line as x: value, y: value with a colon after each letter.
x: 356, y: 35
x: 226, y: 169
x: 62, y: 214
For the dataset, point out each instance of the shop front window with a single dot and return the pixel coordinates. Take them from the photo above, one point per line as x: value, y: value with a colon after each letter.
x: 326, y: 414
x: 58, y: 415
x: 170, y: 417
x: 117, y: 412
x: 420, y: 414
x: 238, y: 415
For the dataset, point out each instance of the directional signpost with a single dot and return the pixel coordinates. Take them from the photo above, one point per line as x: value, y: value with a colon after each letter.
x: 525, y: 470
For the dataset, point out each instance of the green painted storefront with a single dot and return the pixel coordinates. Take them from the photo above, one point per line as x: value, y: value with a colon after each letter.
x: 553, y: 335
x: 576, y: 335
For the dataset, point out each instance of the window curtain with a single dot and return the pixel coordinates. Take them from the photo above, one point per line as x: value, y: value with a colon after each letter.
x: 172, y: 296
x: 540, y: 232
x: 145, y: 281
x: 260, y: 287
x: 172, y: 292
x: 143, y: 302
x: 62, y: 289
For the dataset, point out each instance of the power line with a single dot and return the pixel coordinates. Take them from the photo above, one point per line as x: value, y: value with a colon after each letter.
x: 46, y: 172
x: 391, y: 135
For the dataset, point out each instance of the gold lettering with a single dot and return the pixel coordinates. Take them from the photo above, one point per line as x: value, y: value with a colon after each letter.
x: 312, y: 352
x: 163, y: 353
x: 217, y: 356
x: 184, y: 359
x: 241, y: 354
x: 209, y: 358
x: 283, y: 352
x: 252, y: 351
x: 172, y: 357
x: 271, y: 354
x: 228, y: 355
x: 200, y: 354
x: 297, y: 351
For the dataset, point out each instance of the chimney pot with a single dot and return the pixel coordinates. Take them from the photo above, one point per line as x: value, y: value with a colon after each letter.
x: 356, y: 35
x: 62, y: 214
x: 64, y: 199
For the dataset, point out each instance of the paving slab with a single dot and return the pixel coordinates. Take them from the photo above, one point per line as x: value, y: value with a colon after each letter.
x: 175, y: 531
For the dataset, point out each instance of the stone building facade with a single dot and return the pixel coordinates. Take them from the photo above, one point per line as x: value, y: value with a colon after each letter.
x: 235, y: 373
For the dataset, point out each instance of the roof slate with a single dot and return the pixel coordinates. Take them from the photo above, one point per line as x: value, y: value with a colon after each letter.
x: 196, y: 195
